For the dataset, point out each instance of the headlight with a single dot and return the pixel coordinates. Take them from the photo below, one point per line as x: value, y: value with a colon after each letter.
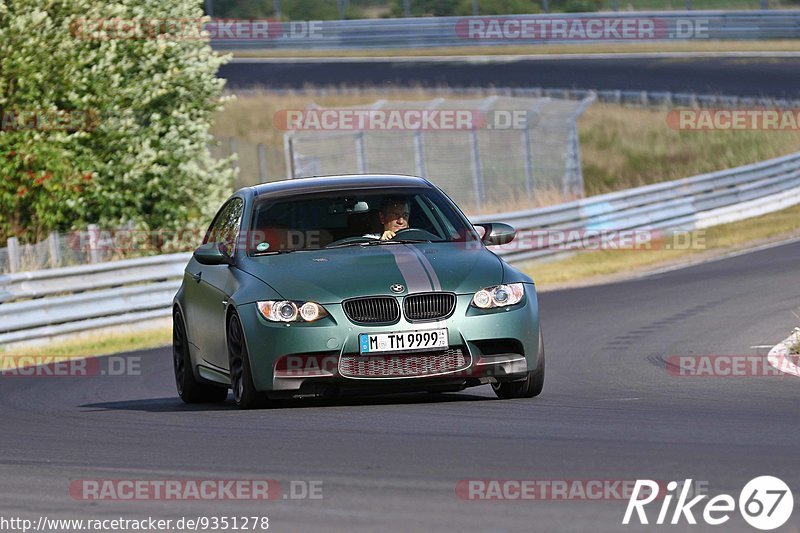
x: 288, y: 311
x: 498, y: 296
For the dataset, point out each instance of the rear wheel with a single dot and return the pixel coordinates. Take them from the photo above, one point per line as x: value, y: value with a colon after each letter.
x: 189, y: 389
x: 244, y: 391
x: 529, y: 387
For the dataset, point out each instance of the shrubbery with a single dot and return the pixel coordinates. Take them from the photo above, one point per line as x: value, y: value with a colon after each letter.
x: 135, y: 147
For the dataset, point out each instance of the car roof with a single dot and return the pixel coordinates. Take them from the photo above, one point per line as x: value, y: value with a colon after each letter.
x: 338, y: 182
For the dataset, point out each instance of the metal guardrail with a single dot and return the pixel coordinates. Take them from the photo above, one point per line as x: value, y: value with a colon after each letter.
x: 689, y: 203
x: 652, y: 99
x: 53, y: 302
x: 72, y: 299
x: 427, y: 32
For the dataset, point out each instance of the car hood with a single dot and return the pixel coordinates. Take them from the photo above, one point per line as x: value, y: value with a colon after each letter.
x: 333, y: 275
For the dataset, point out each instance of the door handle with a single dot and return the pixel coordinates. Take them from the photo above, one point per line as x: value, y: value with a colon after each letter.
x: 197, y: 276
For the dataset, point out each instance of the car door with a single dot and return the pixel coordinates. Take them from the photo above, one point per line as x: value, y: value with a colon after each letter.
x: 209, y: 287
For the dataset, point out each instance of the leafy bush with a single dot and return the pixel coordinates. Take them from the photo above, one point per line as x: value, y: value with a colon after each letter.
x: 140, y: 152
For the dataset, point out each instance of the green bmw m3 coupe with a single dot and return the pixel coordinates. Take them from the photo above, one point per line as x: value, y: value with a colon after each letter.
x: 352, y: 284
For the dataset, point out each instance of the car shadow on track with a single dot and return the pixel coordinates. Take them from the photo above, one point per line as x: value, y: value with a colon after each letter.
x: 174, y: 404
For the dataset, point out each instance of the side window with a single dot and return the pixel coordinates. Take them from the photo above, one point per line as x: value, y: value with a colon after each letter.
x: 226, y: 225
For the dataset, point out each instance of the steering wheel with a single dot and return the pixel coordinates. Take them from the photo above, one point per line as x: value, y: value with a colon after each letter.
x: 415, y: 234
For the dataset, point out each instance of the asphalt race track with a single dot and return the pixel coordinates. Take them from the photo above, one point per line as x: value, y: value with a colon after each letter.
x: 779, y: 78
x: 610, y: 411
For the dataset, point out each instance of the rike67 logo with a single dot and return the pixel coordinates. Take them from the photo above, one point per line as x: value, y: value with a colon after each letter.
x: 765, y: 502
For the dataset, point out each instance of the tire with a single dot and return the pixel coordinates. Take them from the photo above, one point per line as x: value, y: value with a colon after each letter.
x: 189, y: 389
x: 245, y: 394
x: 528, y: 388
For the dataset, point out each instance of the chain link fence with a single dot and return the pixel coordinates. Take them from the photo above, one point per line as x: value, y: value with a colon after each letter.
x: 95, y: 245
x: 58, y: 250
x: 518, y: 150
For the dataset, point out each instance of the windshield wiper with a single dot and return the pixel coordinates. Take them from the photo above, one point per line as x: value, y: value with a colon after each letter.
x: 356, y: 243
x: 273, y: 252
x: 379, y: 243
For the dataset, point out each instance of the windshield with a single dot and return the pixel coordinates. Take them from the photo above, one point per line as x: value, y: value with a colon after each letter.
x: 357, y: 217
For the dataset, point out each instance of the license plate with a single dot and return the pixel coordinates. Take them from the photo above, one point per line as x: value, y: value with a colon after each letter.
x: 408, y: 341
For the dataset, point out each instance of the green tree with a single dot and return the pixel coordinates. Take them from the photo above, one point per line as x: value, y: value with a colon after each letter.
x: 138, y: 107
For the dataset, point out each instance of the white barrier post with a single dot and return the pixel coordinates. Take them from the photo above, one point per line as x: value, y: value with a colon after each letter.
x: 13, y: 254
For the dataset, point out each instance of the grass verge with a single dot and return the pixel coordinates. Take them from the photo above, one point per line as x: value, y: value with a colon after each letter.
x: 609, y: 265
x: 92, y: 344
x: 624, y: 147
x: 546, y: 49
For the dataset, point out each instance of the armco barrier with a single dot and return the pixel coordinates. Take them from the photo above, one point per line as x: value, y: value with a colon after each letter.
x: 689, y: 203
x: 65, y: 300
x: 54, y: 302
x: 427, y: 32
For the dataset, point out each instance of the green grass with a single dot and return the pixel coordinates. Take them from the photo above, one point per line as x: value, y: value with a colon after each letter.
x: 718, y: 240
x: 627, y: 147
x: 94, y: 344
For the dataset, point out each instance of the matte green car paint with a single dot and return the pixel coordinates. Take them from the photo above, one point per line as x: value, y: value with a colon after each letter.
x: 330, y: 276
x: 267, y: 341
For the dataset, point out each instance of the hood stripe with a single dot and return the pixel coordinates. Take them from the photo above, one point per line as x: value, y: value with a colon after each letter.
x: 411, y: 268
x: 434, y: 279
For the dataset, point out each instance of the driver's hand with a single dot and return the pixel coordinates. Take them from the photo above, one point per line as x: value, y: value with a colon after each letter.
x: 388, y: 234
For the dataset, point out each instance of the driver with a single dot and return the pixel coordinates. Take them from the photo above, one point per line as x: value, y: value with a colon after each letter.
x: 393, y: 215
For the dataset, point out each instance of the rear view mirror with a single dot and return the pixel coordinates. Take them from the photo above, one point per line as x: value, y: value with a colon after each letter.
x: 497, y: 233
x: 213, y: 253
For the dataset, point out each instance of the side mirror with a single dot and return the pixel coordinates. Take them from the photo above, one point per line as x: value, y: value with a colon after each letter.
x: 213, y: 253
x: 497, y: 233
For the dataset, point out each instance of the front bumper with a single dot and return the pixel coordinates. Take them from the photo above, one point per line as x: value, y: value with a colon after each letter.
x: 500, y: 344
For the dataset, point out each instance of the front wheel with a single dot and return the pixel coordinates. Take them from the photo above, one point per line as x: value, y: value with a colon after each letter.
x: 245, y: 394
x: 529, y: 387
x: 189, y: 389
